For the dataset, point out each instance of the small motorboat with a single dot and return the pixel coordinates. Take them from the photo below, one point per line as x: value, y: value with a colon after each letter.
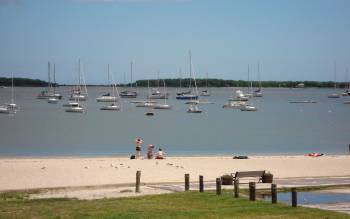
x: 71, y: 104
x: 110, y: 107
x: 194, y: 109
x: 234, y: 104
x: 248, y: 108
x: 53, y: 100
x: 75, y: 109
x: 4, y: 110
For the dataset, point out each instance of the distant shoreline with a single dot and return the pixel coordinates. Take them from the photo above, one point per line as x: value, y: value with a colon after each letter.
x: 175, y: 82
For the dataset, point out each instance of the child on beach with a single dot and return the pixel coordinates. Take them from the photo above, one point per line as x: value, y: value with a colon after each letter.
x: 150, y: 151
x: 160, y: 154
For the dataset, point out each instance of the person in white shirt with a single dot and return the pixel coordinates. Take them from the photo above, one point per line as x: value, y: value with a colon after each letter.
x: 160, y: 154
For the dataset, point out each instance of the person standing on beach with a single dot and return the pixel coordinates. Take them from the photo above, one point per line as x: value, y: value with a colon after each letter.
x: 150, y: 151
x: 138, y: 142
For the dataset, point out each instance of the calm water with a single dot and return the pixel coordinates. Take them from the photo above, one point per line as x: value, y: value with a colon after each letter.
x: 278, y: 127
x: 313, y: 197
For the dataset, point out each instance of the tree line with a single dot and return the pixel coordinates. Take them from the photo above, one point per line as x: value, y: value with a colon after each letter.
x: 24, y: 82
x: 211, y: 82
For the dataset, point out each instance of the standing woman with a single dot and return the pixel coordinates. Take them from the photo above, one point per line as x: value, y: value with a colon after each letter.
x: 138, y: 142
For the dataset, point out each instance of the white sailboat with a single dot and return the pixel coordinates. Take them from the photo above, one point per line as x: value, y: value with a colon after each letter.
x: 187, y: 95
x: 129, y: 93
x: 10, y: 107
x: 75, y: 107
x: 146, y: 103
x: 206, y: 91
x: 347, y: 91
x: 156, y: 93
x: 53, y: 99
x: 113, y: 106
x: 77, y: 92
x: 49, y: 93
x: 334, y: 95
x: 108, y: 97
x: 258, y: 92
x: 165, y: 105
x: 193, y: 107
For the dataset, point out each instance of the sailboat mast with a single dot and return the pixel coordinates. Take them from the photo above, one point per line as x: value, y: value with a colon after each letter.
x: 259, y: 75
x: 54, y: 78
x: 49, y: 76
x: 12, y: 93
x: 79, y: 69
x: 190, y: 57
x: 335, y: 74
x: 249, y: 79
x: 180, y: 74
x: 131, y: 65
x: 165, y: 93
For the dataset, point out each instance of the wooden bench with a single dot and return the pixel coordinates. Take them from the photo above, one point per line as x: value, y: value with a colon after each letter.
x: 245, y: 174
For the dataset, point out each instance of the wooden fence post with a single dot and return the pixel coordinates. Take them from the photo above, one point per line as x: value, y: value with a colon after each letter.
x: 218, y: 186
x: 294, y: 197
x: 273, y: 193
x: 187, y: 182
x: 138, y: 181
x: 201, y: 184
x: 252, y: 191
x: 236, y: 188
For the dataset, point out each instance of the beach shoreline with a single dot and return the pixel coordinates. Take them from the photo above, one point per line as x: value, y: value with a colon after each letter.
x: 53, y: 172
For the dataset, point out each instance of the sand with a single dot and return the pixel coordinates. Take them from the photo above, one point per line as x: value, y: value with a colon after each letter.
x: 33, y: 173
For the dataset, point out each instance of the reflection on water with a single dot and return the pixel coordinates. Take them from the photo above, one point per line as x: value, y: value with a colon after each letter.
x: 278, y: 127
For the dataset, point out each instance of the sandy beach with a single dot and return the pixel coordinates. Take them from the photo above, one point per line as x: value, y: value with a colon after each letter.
x: 32, y: 173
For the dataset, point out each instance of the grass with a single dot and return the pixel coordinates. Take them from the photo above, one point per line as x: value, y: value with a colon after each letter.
x: 179, y: 205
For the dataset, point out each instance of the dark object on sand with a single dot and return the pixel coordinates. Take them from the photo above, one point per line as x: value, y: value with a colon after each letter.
x: 132, y: 157
x: 267, y: 178
x: 226, y: 180
x: 240, y: 157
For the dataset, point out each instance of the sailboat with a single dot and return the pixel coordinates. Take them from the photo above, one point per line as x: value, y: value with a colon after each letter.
x: 258, y: 92
x: 113, y: 106
x: 206, y: 91
x: 108, y: 97
x: 193, y: 107
x: 347, y: 91
x: 146, y: 103
x: 11, y: 107
x: 156, y: 93
x: 165, y: 105
x: 48, y: 93
x: 53, y: 99
x: 77, y: 91
x: 334, y: 95
x: 188, y: 95
x: 129, y: 93
x: 75, y: 107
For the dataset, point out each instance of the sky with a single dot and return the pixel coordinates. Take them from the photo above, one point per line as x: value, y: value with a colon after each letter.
x: 291, y: 39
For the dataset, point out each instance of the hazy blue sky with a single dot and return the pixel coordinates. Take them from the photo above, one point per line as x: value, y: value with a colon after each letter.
x: 293, y: 39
